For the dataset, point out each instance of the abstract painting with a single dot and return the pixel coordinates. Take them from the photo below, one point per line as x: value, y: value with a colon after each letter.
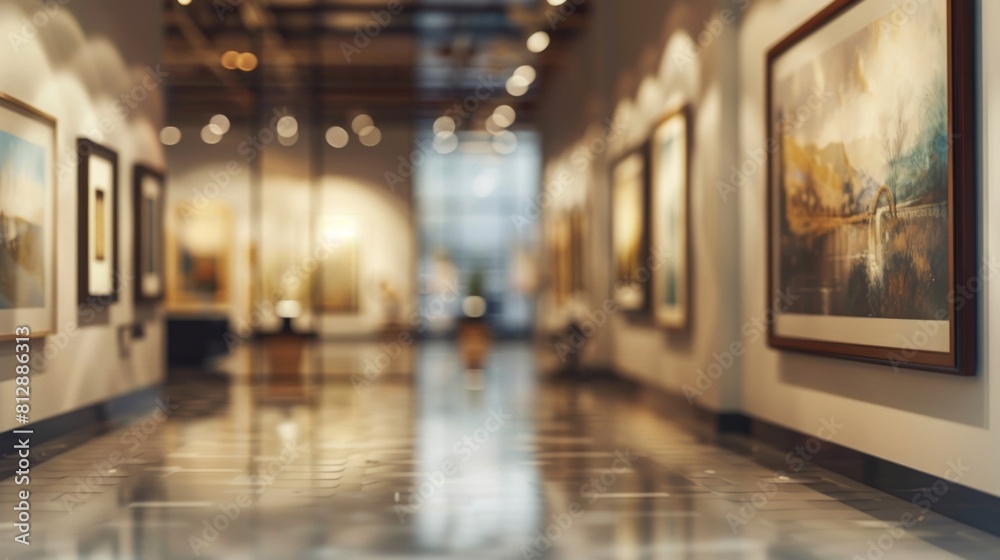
x: 339, y: 236
x: 27, y: 218
x: 629, y: 233
x: 148, y: 198
x: 200, y: 251
x: 669, y: 222
x: 97, y: 182
x: 870, y: 185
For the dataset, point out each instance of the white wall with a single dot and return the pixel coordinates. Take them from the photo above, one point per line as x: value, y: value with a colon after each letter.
x: 75, y: 63
x: 633, y: 62
x: 920, y: 420
x: 353, y: 182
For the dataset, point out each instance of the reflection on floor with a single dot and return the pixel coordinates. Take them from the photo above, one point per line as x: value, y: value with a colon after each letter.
x: 455, y: 464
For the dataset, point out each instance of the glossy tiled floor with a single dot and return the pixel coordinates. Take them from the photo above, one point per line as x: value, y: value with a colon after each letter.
x: 453, y: 465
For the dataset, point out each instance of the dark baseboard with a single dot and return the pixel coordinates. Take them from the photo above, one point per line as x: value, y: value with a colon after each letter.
x: 55, y: 435
x: 961, y: 503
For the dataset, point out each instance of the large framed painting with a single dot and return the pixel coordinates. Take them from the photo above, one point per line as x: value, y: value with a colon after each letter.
x: 27, y: 219
x: 630, y: 233
x: 339, y: 289
x: 872, y: 219
x: 668, y: 168
x: 199, y: 253
x: 97, y: 235
x: 148, y: 201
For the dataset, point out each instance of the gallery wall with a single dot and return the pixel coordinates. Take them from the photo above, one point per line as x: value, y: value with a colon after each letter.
x: 638, y: 61
x: 353, y: 184
x: 921, y: 420
x: 93, y: 66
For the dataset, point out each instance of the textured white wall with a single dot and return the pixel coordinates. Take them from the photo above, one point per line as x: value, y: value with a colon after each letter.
x: 75, y: 62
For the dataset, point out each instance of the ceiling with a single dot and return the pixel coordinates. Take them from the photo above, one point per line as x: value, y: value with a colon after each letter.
x: 398, y: 60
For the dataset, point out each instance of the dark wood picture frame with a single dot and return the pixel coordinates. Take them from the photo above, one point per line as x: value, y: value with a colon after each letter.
x: 644, y: 312
x: 86, y: 148
x: 962, y: 221
x: 139, y: 173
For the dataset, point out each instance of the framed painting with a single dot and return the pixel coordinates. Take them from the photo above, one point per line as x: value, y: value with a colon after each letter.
x: 872, y: 185
x: 27, y: 219
x: 199, y: 255
x: 339, y: 290
x: 97, y: 222
x: 669, y: 183
x: 630, y: 233
x: 561, y: 243
x: 148, y: 201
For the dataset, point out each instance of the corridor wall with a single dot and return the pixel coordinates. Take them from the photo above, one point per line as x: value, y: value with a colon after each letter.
x: 94, y: 67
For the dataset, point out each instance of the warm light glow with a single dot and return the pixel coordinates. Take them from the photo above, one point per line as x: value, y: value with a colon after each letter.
x: 246, y: 61
x: 170, y: 135
x: 183, y: 2
x: 288, y: 140
x: 209, y: 134
x: 222, y: 122
x: 229, y: 59
x: 527, y: 72
x: 445, y: 142
x: 444, y: 124
x: 505, y: 142
x: 494, y: 124
x: 337, y: 137
x: 539, y: 41
x: 506, y: 115
x: 517, y: 86
x: 556, y: 2
x: 474, y: 306
x: 287, y: 127
x: 339, y: 229
x: 370, y: 136
x: 288, y: 309
x: 361, y: 122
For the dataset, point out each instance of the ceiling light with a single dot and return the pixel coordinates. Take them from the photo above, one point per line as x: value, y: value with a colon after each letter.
x: 183, y: 2
x: 246, y: 61
x: 505, y: 142
x: 494, y: 125
x: 539, y: 41
x: 526, y: 72
x: 229, y: 59
x: 287, y: 126
x: 444, y: 124
x: 505, y: 115
x: 556, y: 2
x: 170, y: 135
x: 337, y: 137
x: 288, y: 140
x: 371, y: 136
x: 209, y: 134
x: 445, y: 142
x: 361, y: 122
x: 517, y: 86
x: 222, y: 122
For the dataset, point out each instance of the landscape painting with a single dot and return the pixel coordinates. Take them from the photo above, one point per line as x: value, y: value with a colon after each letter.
x: 862, y: 199
x: 669, y: 183
x: 628, y: 233
x: 27, y: 227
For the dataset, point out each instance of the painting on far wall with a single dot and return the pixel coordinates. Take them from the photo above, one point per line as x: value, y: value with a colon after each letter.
x: 339, y: 289
x: 561, y: 255
x: 629, y: 233
x: 669, y: 222
x: 27, y: 219
x: 872, y: 187
x: 148, y: 199
x: 200, y: 250
x: 97, y: 234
